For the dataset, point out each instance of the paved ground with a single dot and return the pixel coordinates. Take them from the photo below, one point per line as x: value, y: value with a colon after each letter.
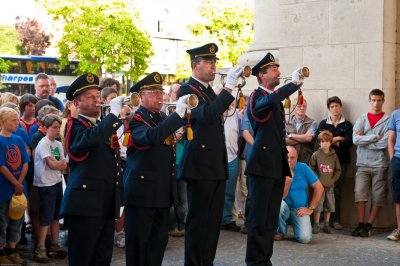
x: 337, y: 249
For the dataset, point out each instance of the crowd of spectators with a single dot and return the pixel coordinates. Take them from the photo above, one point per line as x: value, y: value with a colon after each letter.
x: 33, y: 162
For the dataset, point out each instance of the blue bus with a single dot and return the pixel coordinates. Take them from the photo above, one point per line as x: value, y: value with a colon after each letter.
x: 20, y: 78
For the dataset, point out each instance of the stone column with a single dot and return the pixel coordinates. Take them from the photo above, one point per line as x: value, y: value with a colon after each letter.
x: 350, y: 47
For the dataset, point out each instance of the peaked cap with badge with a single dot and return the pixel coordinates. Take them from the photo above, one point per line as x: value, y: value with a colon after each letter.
x: 152, y: 81
x: 268, y: 60
x: 83, y: 83
x: 206, y: 51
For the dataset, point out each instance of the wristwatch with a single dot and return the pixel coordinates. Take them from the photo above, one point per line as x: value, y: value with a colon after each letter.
x: 311, y: 208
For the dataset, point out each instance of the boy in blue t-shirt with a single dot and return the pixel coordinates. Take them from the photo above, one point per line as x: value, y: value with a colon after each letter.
x: 13, y: 168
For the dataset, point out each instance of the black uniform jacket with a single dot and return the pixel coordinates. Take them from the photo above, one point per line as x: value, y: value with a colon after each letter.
x: 94, y: 187
x: 205, y: 156
x: 268, y: 155
x: 149, y: 179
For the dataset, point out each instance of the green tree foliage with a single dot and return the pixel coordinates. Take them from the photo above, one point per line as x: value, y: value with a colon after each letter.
x: 10, y: 43
x: 3, y: 69
x: 227, y: 23
x: 3, y: 66
x: 101, y: 35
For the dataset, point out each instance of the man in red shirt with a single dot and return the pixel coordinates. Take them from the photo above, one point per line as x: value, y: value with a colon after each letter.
x: 370, y: 135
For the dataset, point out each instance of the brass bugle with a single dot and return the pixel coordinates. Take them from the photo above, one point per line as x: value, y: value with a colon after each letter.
x: 133, y: 99
x: 245, y: 74
x: 191, y: 102
x: 305, y: 73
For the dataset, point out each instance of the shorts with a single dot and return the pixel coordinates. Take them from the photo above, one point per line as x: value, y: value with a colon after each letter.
x: 34, y: 199
x: 395, y: 179
x: 10, y: 230
x: 50, y: 203
x: 327, y: 201
x: 372, y: 179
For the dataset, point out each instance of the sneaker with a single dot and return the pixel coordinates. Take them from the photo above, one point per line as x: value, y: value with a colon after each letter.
x: 15, y: 258
x: 119, y: 239
x: 337, y: 226
x: 57, y: 251
x: 327, y: 229
x: 366, y: 231
x: 177, y: 233
x: 316, y: 228
x: 278, y: 237
x: 358, y: 229
x: 243, y: 229
x: 395, y: 235
x: 40, y: 255
x: 230, y: 227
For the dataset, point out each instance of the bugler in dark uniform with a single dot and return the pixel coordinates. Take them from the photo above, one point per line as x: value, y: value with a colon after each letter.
x: 149, y: 179
x: 91, y: 201
x: 204, y: 161
x: 266, y: 164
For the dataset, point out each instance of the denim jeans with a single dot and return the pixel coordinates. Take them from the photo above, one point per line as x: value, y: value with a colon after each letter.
x: 10, y: 230
x: 178, y: 212
x: 181, y: 207
x: 230, y: 189
x: 338, y: 193
x: 301, y: 225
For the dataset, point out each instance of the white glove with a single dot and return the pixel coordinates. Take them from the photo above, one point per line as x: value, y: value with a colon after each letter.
x: 232, y: 77
x: 116, y: 105
x: 297, y: 77
x: 181, y: 105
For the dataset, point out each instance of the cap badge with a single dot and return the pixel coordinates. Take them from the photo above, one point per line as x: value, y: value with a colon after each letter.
x: 90, y: 78
x: 157, y: 78
x: 212, y: 49
x: 271, y: 57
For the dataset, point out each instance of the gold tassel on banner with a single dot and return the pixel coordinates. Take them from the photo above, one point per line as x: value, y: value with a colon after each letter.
x: 168, y: 141
x: 189, y: 132
x: 241, y: 102
x: 300, y: 99
x: 127, y: 141
x: 287, y: 103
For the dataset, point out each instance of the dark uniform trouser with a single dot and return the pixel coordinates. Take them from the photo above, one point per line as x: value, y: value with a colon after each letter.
x: 146, y: 235
x: 264, y: 206
x: 203, y: 222
x: 90, y: 240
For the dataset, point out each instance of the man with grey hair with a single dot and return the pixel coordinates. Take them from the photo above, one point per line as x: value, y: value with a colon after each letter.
x: 42, y: 90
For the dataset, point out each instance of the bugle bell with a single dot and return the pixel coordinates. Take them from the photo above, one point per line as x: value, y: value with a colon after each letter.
x: 133, y: 100
x: 305, y: 73
x: 191, y: 102
x: 245, y: 74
